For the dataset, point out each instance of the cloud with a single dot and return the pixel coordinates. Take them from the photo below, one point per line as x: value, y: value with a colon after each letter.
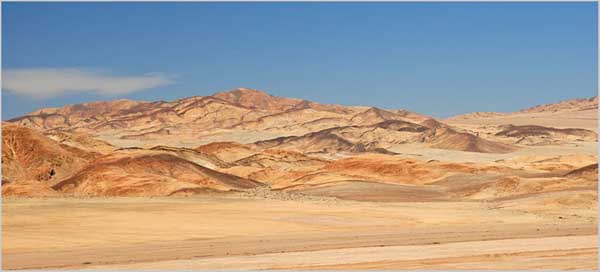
x: 46, y: 83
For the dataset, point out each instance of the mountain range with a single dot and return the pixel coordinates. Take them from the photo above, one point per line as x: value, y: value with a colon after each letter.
x: 246, y: 139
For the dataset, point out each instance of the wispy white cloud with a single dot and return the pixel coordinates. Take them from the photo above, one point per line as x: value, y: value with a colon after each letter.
x: 52, y: 82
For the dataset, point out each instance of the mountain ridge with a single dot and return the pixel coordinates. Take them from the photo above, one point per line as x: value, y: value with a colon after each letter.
x: 248, y: 140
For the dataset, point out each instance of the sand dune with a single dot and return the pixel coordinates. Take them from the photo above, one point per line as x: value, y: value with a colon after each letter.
x: 93, y: 235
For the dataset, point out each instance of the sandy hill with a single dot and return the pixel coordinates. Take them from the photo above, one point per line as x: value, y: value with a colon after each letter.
x: 246, y: 116
x: 255, y: 99
x: 533, y: 135
x: 432, y: 123
x: 29, y: 155
x: 315, y: 142
x: 280, y: 159
x: 574, y: 113
x: 378, y: 137
x: 148, y: 175
x: 187, y: 121
x: 373, y: 115
x: 81, y: 140
x: 246, y: 139
x: 525, y: 131
x: 227, y: 151
x: 581, y: 104
x: 566, y: 105
x: 28, y: 188
x: 201, y: 158
x: 446, y: 138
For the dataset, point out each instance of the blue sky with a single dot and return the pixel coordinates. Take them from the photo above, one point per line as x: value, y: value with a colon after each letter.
x: 434, y: 58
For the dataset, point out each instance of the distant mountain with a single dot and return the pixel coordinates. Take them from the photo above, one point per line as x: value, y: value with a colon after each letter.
x: 574, y: 113
x: 193, y: 118
x: 570, y: 105
x: 566, y: 105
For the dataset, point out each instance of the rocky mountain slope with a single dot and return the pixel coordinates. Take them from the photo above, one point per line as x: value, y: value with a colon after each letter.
x: 148, y: 174
x: 247, y: 140
x: 29, y: 155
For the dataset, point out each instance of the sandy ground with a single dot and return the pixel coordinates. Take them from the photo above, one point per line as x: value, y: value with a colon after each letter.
x: 424, y: 153
x: 250, y: 233
x: 550, y: 252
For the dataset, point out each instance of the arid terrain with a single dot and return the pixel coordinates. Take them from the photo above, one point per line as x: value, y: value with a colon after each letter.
x: 246, y: 180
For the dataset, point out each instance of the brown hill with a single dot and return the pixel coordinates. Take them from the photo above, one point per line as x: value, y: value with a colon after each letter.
x: 280, y: 159
x: 184, y: 121
x: 374, y: 115
x: 127, y: 115
x: 433, y: 123
x: 201, y: 158
x: 399, y: 125
x: 148, y: 175
x: 27, y: 188
x: 82, y: 141
x: 380, y: 136
x: 589, y: 172
x: 255, y: 99
x: 29, y: 155
x: 323, y: 141
x: 136, y: 148
x: 385, y: 168
x: 292, y: 120
x: 227, y: 151
x: 389, y: 178
x: 447, y: 138
x: 76, y: 115
x: 526, y: 131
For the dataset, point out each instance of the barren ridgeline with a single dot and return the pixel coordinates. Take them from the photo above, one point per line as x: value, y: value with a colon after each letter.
x: 246, y: 180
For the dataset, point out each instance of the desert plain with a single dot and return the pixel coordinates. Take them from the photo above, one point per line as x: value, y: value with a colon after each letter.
x: 246, y: 180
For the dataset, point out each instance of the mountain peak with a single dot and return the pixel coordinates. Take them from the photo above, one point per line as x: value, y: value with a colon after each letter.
x: 256, y: 99
x: 242, y: 91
